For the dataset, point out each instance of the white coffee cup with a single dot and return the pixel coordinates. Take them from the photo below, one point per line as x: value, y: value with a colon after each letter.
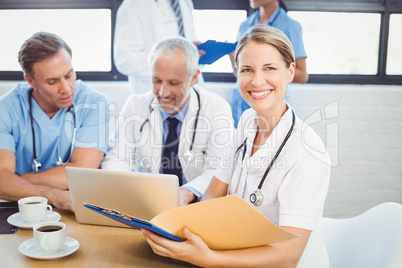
x: 50, y: 236
x: 33, y: 209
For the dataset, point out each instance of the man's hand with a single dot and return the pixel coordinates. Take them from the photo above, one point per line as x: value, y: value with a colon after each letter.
x: 61, y: 199
x: 186, y: 197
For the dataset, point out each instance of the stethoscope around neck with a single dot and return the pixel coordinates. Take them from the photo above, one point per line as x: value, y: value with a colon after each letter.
x: 189, y: 153
x: 36, y: 165
x: 256, y: 197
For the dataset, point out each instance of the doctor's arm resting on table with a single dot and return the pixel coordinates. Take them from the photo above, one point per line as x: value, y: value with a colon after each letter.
x: 265, y: 61
x: 14, y: 187
x: 51, y: 89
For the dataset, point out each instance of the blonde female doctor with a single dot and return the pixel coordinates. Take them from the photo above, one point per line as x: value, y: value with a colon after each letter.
x: 274, y: 167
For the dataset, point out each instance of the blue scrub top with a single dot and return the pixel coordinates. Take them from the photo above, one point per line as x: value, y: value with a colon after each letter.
x: 281, y: 21
x: 92, y: 121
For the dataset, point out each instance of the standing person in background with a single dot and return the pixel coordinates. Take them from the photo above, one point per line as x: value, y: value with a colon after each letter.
x: 273, y: 13
x: 140, y: 24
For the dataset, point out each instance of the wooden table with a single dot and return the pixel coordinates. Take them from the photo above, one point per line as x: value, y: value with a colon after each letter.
x: 100, y: 246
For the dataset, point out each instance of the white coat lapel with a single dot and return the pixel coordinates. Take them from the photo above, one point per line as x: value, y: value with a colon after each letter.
x: 164, y: 19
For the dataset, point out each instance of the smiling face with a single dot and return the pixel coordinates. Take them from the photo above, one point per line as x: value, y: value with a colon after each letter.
x: 171, y: 82
x: 53, y: 82
x: 263, y: 76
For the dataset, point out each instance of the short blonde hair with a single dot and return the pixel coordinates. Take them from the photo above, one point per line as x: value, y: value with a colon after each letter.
x: 265, y: 34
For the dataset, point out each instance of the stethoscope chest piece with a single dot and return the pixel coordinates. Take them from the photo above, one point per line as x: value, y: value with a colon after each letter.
x: 36, y: 165
x: 145, y: 166
x: 188, y: 155
x: 256, y: 197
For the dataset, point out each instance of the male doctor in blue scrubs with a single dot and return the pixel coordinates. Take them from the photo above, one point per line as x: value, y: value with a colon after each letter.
x: 47, y: 123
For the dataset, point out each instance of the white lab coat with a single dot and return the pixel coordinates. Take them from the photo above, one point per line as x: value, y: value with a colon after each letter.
x: 130, y: 147
x: 297, y: 184
x: 139, y: 25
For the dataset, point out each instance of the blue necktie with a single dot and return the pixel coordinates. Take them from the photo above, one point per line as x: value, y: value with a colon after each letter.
x: 177, y: 13
x: 170, y: 163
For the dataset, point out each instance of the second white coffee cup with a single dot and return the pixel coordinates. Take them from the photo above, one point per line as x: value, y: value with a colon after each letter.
x: 33, y: 209
x: 50, y: 236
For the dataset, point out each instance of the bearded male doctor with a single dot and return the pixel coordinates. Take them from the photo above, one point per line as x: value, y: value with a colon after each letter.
x: 179, y: 128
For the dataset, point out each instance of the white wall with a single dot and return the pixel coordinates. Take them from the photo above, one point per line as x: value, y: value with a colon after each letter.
x: 368, y: 159
x: 361, y: 126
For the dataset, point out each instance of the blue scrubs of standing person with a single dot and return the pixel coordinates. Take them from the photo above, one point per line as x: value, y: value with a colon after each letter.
x: 273, y: 13
x: 47, y: 123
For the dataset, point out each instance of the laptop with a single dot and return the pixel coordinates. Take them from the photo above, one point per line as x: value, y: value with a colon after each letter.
x: 141, y: 195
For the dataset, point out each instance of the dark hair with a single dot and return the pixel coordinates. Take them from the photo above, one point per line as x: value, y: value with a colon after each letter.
x: 283, y: 5
x: 38, y: 47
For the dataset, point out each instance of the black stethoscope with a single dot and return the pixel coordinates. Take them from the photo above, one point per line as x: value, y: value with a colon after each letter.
x: 189, y: 153
x: 36, y: 165
x: 257, y: 197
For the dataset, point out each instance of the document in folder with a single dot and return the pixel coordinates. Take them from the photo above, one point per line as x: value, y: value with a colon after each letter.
x: 215, y: 50
x: 222, y: 223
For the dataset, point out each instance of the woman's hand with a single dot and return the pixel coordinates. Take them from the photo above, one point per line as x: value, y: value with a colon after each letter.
x: 192, y: 250
x: 200, y: 51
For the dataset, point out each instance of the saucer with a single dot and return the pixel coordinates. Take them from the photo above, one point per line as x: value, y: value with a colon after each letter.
x: 16, y: 219
x: 30, y: 249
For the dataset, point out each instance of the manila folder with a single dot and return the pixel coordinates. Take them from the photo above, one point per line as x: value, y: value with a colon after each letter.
x: 223, y: 223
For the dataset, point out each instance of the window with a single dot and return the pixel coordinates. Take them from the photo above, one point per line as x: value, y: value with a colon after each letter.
x: 347, y: 41
x: 225, y: 30
x: 86, y: 31
x: 394, y: 66
x: 341, y: 43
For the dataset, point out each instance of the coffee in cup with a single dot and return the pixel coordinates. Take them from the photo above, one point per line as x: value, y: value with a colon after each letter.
x: 33, y: 209
x: 50, y: 236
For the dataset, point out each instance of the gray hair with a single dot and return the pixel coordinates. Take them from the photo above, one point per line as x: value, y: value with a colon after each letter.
x: 38, y: 47
x: 171, y: 46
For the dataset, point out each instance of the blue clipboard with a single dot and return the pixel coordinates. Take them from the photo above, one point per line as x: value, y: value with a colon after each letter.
x: 215, y: 50
x: 132, y: 222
